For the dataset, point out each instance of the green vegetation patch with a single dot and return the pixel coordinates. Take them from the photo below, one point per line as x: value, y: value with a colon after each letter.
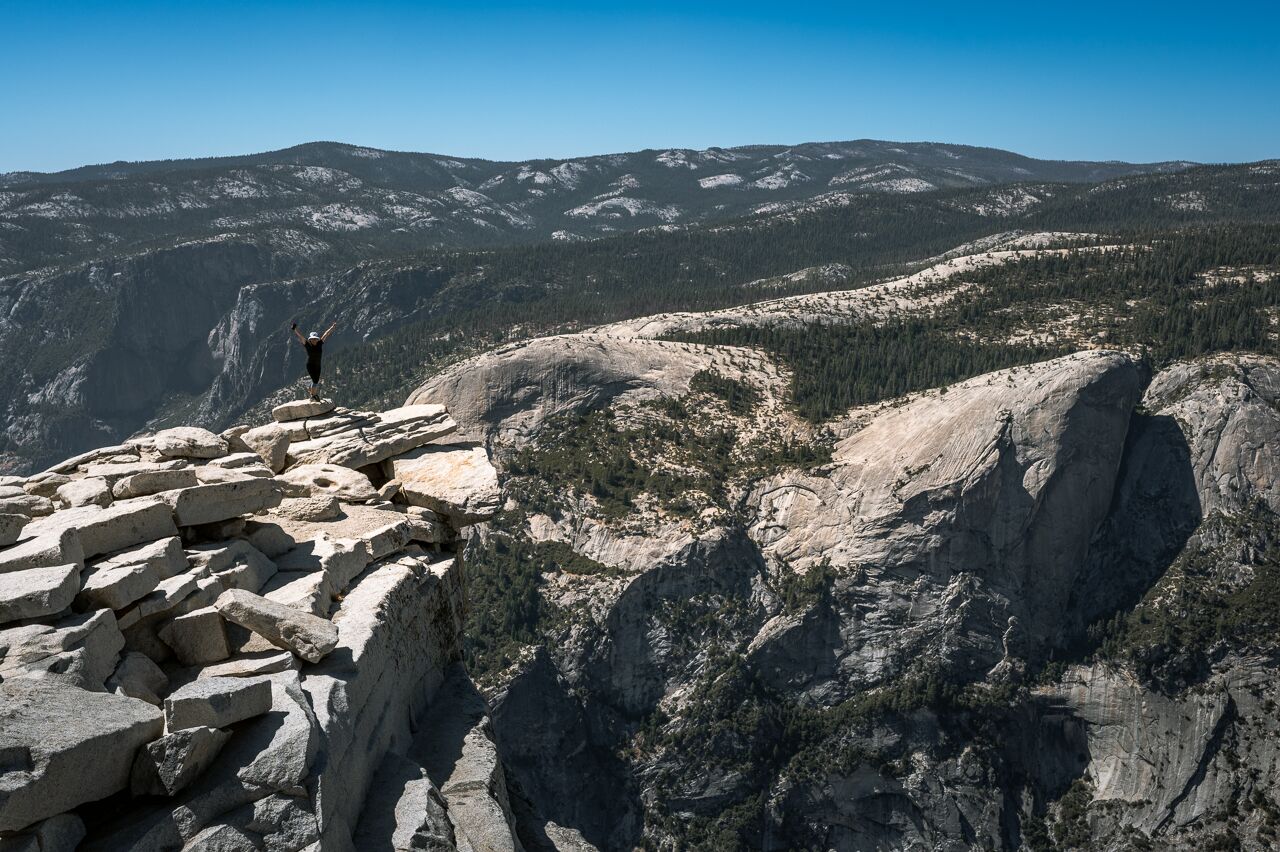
x: 740, y: 397
x: 799, y: 591
x: 734, y: 724
x: 682, y: 462
x: 1159, y: 297
x: 1069, y: 829
x: 836, y: 367
x: 615, y: 464
x: 506, y: 612
x: 381, y: 373
x: 1222, y: 592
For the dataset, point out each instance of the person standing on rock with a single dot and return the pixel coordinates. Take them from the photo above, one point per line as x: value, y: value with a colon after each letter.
x: 314, y: 344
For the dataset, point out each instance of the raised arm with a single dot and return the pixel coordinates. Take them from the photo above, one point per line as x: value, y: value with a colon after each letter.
x: 328, y: 331
x: 298, y: 334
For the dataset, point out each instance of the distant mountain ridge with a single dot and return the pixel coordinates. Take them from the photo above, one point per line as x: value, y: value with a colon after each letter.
x: 167, y: 296
x: 310, y: 152
x: 395, y: 202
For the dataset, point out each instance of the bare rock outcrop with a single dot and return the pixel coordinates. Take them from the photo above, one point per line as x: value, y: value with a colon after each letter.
x: 1229, y: 409
x: 310, y: 480
x: 170, y: 763
x: 958, y: 539
x: 508, y: 393
x: 404, y: 811
x: 461, y: 759
x: 452, y: 480
x: 38, y: 592
x: 10, y: 527
x: 1146, y: 749
x: 306, y: 635
x: 375, y: 438
x: 270, y: 442
x: 207, y: 504
x: 975, y: 505
x: 286, y: 677
x: 117, y: 527
x: 51, y: 733
x: 301, y: 409
x: 216, y: 702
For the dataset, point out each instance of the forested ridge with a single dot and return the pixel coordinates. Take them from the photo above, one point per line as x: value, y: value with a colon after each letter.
x: 1163, y: 294
x: 1160, y: 295
x: 357, y: 203
x: 521, y: 292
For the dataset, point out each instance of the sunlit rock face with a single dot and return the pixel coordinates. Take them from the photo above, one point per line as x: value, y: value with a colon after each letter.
x: 973, y: 534
x: 236, y: 672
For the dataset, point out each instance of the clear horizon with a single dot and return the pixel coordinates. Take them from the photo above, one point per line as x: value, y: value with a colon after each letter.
x: 97, y: 83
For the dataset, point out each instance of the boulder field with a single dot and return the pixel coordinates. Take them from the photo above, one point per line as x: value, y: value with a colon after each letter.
x: 232, y: 641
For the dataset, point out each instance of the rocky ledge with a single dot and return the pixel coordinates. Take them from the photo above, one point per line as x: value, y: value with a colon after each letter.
x: 231, y: 641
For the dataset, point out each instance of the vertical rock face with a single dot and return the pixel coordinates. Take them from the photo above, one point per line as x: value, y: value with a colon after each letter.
x: 285, y: 680
x: 404, y: 811
x: 461, y: 760
x: 1145, y: 749
x: 1229, y: 411
x: 146, y: 321
x: 399, y: 629
x: 842, y: 659
x: 963, y: 509
x: 1173, y: 754
x: 845, y: 659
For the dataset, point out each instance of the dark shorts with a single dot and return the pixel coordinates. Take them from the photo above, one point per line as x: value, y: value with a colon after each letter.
x: 314, y: 349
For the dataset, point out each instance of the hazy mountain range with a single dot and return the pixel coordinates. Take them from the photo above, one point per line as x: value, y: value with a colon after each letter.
x: 148, y: 292
x: 389, y: 200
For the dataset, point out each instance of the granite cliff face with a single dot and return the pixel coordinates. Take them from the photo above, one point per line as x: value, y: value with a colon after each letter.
x: 979, y: 623
x: 93, y: 351
x: 974, y: 508
x: 1033, y: 609
x: 247, y: 641
x: 192, y: 333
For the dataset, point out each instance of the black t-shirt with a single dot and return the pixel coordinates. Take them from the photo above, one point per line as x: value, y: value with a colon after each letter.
x: 314, y: 350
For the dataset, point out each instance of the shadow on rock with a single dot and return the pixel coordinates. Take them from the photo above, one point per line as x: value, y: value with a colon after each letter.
x: 1154, y: 510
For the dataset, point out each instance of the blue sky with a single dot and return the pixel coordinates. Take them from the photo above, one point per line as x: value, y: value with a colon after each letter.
x: 96, y: 82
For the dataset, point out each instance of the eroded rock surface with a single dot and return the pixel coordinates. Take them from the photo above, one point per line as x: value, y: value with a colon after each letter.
x: 306, y: 635
x: 510, y: 392
x: 785, y: 663
x: 151, y: 596
x: 452, y: 480
x: 38, y: 592
x: 50, y: 734
x: 989, y: 492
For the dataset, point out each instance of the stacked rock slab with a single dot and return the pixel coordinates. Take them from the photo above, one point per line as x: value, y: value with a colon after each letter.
x: 454, y: 480
x: 230, y: 667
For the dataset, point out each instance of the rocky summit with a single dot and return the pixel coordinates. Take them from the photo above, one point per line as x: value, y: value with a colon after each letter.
x: 1033, y: 609
x: 191, y: 660
x: 840, y: 497
x: 611, y: 589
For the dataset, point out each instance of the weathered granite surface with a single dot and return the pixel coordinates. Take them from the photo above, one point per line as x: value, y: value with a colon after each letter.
x: 141, y: 662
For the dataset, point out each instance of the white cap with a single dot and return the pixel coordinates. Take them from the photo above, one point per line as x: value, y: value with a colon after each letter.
x: 315, y: 335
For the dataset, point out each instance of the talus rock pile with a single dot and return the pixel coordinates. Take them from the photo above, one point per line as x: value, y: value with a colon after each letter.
x: 219, y: 641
